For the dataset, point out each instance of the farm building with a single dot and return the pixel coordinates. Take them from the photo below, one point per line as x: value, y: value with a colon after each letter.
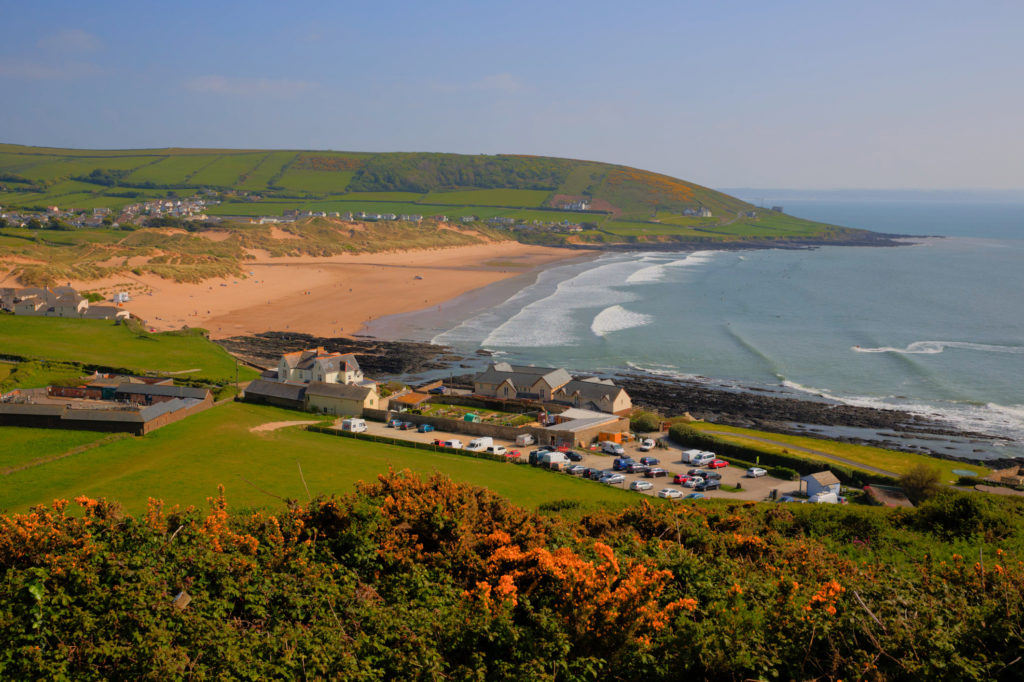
x: 340, y: 399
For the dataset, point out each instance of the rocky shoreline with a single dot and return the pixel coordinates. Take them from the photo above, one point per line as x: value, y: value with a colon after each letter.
x: 748, y: 407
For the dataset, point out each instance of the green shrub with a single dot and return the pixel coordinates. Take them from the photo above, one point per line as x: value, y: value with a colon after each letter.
x: 644, y: 422
x: 785, y: 473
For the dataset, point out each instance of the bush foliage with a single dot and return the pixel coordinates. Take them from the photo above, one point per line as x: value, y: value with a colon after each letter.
x: 427, y: 579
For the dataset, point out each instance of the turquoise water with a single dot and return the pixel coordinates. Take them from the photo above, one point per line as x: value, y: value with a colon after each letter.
x: 935, y: 328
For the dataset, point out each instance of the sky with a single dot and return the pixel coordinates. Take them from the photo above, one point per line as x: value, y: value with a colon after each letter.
x: 801, y: 94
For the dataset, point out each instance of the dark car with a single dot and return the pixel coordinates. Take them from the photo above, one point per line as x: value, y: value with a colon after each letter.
x: 656, y: 472
x: 649, y: 461
x: 405, y: 426
x: 622, y: 463
x: 439, y: 390
x: 709, y: 484
x: 574, y: 456
x: 425, y: 428
x: 591, y: 472
x: 637, y: 469
x: 712, y: 476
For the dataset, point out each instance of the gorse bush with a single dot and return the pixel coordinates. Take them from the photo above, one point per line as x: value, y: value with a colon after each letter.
x: 427, y: 579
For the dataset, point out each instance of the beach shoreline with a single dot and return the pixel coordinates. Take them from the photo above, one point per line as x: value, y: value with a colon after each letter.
x: 325, y: 296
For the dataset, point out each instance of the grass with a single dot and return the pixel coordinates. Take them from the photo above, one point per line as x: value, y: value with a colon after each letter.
x: 183, y: 463
x: 315, y: 181
x: 488, y: 416
x: 101, y: 342
x: 23, y: 445
x: 259, y: 177
x: 171, y: 170
x: 889, y: 460
x: 37, y: 375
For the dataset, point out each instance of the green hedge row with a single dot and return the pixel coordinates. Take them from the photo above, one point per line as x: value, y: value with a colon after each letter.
x: 743, y: 454
x: 416, y: 446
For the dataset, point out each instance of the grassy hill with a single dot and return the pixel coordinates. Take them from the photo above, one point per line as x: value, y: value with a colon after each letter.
x: 627, y: 204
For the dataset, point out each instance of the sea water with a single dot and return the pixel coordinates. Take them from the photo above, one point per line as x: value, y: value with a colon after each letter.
x: 935, y: 327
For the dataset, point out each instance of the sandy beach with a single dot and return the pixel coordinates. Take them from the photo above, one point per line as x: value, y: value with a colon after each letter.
x: 331, y: 296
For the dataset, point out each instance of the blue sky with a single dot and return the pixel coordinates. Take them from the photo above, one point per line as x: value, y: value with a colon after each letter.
x: 757, y: 94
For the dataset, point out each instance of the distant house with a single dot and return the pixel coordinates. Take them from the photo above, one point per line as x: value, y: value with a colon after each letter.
x: 526, y: 382
x: 777, y: 209
x: 821, y: 483
x: 60, y: 302
x: 341, y: 399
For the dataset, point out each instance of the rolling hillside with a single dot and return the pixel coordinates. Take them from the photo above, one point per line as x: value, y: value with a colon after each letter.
x: 625, y: 205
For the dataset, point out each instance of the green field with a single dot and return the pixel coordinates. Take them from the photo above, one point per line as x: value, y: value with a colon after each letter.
x: 172, y: 170
x: 23, y: 445
x: 103, y: 343
x: 225, y: 171
x: 259, y: 177
x: 183, y: 463
x: 527, y: 198
x: 889, y: 460
x: 315, y: 181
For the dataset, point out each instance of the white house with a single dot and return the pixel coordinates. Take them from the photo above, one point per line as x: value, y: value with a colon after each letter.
x: 820, y: 484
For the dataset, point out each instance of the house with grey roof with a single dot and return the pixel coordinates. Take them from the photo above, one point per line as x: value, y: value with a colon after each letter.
x: 316, y: 364
x: 550, y: 384
x: 341, y: 399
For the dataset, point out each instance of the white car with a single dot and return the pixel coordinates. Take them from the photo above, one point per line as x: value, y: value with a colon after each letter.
x: 756, y: 472
x: 693, y: 481
x: 613, y: 479
x: 646, y: 445
x: 669, y: 493
x: 641, y: 485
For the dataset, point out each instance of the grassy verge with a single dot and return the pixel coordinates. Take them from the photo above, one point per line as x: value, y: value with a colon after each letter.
x: 183, y: 463
x: 22, y: 445
x: 889, y: 460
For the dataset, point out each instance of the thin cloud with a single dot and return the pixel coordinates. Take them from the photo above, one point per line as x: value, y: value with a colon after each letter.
x: 248, y: 87
x: 70, y: 40
x: 36, y: 71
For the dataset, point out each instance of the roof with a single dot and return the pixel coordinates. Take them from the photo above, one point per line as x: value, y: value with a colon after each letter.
x: 581, y: 424
x: 523, y: 377
x: 823, y: 478
x: 276, y: 389
x: 344, y: 391
x: 305, y: 359
x: 411, y: 398
x: 172, y: 391
x: 338, y: 363
x: 579, y: 413
x: 589, y: 390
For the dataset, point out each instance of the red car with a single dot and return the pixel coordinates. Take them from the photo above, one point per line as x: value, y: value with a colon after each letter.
x: 718, y: 464
x: 513, y: 453
x: 679, y: 479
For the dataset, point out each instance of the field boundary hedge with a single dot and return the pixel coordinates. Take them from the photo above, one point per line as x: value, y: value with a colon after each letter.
x: 745, y: 454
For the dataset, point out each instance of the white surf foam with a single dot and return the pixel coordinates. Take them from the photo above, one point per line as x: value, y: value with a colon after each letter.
x: 658, y: 272
x: 616, y: 318
x: 936, y: 347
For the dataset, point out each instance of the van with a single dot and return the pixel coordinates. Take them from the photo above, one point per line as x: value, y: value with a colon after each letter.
x: 611, y: 448
x: 480, y: 444
x: 354, y: 425
x: 496, y: 450
x: 703, y: 459
x: 688, y: 455
x: 457, y: 444
x: 552, y: 460
x: 524, y: 439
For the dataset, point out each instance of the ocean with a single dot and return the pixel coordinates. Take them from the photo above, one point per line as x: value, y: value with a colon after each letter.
x: 935, y: 328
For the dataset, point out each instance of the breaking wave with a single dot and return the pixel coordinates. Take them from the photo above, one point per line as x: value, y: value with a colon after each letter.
x: 616, y: 318
x: 936, y: 347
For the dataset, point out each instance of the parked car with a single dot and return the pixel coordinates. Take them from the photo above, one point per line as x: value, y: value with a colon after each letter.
x: 669, y: 493
x: 425, y: 428
x: 438, y: 390
x: 575, y: 469
x: 693, y: 482
x: 756, y: 472
x: 613, y: 479
x: 650, y: 461
x: 718, y: 464
x: 680, y: 479
x: 622, y: 463
x: 513, y: 453
x: 656, y: 472
x: 790, y: 498
x: 574, y: 456
x: 394, y: 423
x: 710, y: 484
x: 637, y: 468
x: 495, y: 449
x: 641, y: 485
x: 702, y: 458
x: 711, y: 476
x: 646, y: 445
x: 591, y: 473
x: 694, y: 496
x: 611, y: 448
x: 407, y: 426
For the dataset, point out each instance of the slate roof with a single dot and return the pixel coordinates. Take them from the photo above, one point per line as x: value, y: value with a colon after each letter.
x: 589, y: 391
x: 344, y: 391
x: 823, y: 478
x: 173, y: 391
x: 337, y: 363
x: 523, y: 377
x: 305, y: 359
x: 276, y: 389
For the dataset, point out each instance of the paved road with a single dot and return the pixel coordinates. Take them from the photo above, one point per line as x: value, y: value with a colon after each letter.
x: 790, y: 446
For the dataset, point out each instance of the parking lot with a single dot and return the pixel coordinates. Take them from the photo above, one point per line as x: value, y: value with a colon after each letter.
x: 669, y: 456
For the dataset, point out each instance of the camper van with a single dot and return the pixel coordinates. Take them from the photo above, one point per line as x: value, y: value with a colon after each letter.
x: 480, y: 444
x: 457, y: 444
x: 354, y: 425
x: 553, y: 460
